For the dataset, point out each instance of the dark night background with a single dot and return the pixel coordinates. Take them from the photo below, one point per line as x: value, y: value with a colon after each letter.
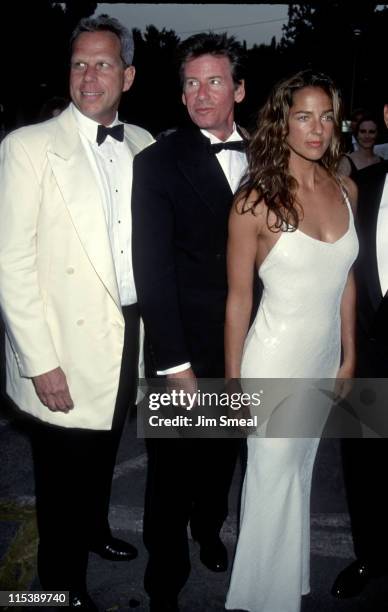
x: 344, y: 38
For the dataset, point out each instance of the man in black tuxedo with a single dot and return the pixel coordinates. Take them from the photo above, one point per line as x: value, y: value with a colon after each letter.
x: 363, y: 459
x: 182, y: 193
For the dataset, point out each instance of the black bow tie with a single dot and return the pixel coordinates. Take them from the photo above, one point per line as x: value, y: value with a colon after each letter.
x: 117, y: 132
x: 233, y: 145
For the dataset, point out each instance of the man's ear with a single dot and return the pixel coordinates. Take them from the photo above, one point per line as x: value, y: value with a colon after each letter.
x: 386, y: 114
x: 239, y: 92
x: 184, y: 98
x: 129, y: 77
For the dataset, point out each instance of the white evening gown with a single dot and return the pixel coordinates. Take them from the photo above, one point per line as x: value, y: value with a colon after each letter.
x: 296, y: 334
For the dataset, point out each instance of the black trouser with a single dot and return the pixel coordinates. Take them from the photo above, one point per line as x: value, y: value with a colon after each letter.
x: 188, y: 480
x: 73, y: 477
x: 365, y: 463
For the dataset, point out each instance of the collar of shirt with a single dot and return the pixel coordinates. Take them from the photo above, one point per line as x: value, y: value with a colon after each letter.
x: 88, y: 127
x: 382, y: 239
x: 233, y: 163
x: 384, y: 197
x: 232, y: 138
x: 111, y: 164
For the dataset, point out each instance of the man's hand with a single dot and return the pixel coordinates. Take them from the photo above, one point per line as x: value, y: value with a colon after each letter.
x: 344, y: 383
x: 52, y: 390
x: 185, y: 381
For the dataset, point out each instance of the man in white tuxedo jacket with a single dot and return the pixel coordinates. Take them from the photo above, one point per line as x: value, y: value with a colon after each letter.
x: 69, y: 301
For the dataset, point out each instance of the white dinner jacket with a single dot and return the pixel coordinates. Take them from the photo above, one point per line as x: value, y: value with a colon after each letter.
x: 58, y: 289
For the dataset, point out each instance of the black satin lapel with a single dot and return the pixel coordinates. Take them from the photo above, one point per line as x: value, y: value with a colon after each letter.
x: 370, y: 193
x: 202, y: 169
x: 379, y: 329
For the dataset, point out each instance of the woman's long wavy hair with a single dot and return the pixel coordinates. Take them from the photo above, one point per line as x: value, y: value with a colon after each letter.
x: 268, y: 153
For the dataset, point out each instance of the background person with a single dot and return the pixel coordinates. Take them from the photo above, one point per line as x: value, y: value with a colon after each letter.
x: 363, y: 460
x: 52, y: 107
x: 366, y: 134
x: 355, y: 118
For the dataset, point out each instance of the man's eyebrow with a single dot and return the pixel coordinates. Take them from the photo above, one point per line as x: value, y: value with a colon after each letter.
x: 194, y: 78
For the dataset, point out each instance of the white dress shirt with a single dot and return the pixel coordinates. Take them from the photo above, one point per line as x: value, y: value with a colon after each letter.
x: 112, y: 165
x: 382, y: 239
x: 233, y: 164
x: 381, y: 150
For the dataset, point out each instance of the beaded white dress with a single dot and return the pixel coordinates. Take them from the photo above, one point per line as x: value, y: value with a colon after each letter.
x: 296, y: 334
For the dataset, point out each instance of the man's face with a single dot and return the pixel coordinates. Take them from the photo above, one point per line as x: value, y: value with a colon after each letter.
x: 98, y: 76
x: 209, y: 93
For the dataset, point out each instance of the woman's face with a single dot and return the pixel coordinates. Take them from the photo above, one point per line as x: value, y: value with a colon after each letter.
x: 367, y: 134
x: 310, y: 123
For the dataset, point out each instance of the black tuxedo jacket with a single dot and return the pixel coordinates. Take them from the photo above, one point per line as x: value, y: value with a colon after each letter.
x: 180, y: 207
x: 372, y: 306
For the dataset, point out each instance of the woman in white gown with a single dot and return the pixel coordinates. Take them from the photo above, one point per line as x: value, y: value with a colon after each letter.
x: 293, y: 221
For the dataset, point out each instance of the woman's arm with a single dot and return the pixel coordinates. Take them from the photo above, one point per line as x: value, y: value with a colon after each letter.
x: 241, y: 257
x: 348, y: 328
x: 348, y: 305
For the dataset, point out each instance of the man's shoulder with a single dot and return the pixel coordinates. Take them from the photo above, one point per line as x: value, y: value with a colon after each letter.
x: 138, y: 135
x: 41, y: 137
x: 159, y: 150
x: 35, y: 133
x: 171, y: 145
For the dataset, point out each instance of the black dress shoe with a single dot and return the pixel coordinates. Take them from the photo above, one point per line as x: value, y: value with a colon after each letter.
x: 81, y: 601
x: 353, y: 579
x: 164, y: 604
x: 115, y: 550
x: 213, y: 554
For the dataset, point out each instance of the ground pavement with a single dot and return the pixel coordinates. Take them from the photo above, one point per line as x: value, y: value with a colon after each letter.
x: 118, y: 586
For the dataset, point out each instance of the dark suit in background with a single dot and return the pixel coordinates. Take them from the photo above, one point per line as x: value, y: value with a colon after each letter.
x: 364, y: 459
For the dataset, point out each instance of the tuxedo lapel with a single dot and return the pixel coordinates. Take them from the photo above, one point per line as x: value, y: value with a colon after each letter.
x: 370, y: 193
x: 133, y: 146
x: 78, y: 186
x: 203, y: 171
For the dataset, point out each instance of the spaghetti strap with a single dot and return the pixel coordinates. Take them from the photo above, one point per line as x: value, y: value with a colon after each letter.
x: 345, y: 195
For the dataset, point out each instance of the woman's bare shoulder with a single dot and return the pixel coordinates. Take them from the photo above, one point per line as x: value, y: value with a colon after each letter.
x: 250, y: 203
x: 249, y: 210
